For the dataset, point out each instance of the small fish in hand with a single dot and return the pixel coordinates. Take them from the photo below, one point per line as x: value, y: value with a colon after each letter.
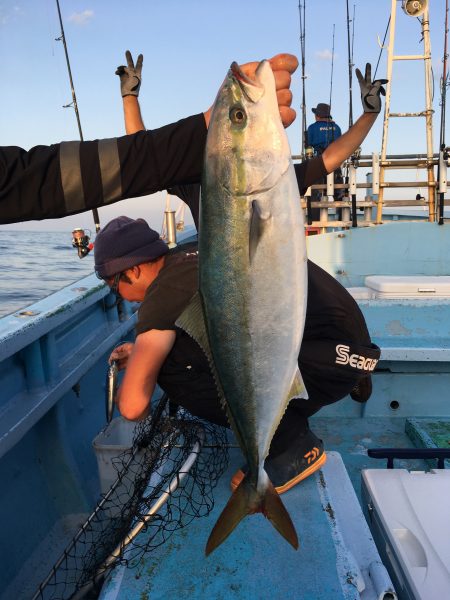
x: 111, y: 389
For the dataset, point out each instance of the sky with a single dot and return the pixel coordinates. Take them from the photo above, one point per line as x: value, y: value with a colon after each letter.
x: 188, y: 46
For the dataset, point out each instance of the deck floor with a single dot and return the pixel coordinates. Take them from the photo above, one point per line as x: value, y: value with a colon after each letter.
x: 255, y: 562
x: 352, y: 437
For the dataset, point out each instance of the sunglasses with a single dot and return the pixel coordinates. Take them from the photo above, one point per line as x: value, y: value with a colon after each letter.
x: 115, y: 284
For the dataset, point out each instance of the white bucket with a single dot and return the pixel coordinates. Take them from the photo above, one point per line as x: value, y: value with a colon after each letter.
x: 108, y: 445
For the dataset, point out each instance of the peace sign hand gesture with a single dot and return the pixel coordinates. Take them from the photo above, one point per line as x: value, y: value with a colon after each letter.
x: 130, y: 76
x: 370, y: 90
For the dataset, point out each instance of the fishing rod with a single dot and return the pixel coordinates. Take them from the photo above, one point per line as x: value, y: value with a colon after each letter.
x: 382, y: 46
x: 350, y: 62
x: 301, y: 7
x: 443, y: 150
x: 80, y: 239
x: 350, y: 173
x: 332, y: 67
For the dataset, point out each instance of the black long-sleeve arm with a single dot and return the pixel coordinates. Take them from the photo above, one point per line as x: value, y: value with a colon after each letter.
x: 50, y: 182
x: 309, y: 172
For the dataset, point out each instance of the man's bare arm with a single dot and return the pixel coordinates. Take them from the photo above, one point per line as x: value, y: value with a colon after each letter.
x: 132, y: 115
x: 147, y: 357
x: 335, y: 154
x: 343, y: 147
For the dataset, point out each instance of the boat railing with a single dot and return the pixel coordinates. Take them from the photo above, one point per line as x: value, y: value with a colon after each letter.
x: 349, y: 211
x: 46, y: 349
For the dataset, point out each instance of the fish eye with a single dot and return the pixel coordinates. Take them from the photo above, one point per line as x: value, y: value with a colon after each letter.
x: 238, y: 115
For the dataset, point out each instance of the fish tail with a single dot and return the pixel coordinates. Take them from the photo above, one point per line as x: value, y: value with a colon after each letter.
x: 274, y: 509
x: 244, y: 501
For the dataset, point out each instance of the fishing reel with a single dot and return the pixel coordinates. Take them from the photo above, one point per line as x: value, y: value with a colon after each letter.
x: 354, y: 159
x: 309, y: 152
x: 81, y: 241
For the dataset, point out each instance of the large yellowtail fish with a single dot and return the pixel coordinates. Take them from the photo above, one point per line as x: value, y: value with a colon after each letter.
x: 253, y: 281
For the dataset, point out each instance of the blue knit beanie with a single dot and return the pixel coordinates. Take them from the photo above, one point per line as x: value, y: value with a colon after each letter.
x: 124, y: 243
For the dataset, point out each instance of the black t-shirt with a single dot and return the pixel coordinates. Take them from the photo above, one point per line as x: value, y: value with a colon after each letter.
x: 171, y: 291
x: 185, y: 374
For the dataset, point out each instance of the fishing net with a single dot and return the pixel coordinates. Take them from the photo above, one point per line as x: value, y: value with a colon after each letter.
x: 164, y: 481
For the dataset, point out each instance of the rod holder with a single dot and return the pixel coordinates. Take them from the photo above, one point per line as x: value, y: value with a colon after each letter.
x: 442, y: 173
x: 171, y: 228
x: 375, y: 174
x: 330, y: 184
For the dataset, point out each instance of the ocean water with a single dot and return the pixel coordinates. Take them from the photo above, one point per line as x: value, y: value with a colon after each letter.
x: 34, y: 264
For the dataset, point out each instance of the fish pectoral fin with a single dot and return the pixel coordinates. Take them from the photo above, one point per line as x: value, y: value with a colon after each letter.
x: 192, y: 321
x: 259, y: 221
x: 298, y: 388
x: 244, y: 501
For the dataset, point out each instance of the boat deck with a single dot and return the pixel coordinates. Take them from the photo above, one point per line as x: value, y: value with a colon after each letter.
x: 336, y: 553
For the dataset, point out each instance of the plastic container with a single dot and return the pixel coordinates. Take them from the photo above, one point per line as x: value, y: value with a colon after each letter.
x: 409, y: 286
x: 361, y: 293
x: 108, y: 445
x: 410, y: 521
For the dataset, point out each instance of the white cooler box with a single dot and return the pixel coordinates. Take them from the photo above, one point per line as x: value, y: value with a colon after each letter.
x: 408, y: 286
x: 409, y: 516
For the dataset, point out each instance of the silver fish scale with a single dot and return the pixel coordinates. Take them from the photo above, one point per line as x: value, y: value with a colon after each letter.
x: 256, y: 312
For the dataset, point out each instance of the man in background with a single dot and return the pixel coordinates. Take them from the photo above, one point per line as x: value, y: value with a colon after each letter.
x: 323, y: 132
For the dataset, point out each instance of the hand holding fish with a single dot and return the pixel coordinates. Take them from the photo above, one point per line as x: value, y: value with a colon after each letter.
x: 283, y: 65
x: 121, y: 354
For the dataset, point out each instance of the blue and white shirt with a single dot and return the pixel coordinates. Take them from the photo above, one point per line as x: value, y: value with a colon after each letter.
x: 321, y: 134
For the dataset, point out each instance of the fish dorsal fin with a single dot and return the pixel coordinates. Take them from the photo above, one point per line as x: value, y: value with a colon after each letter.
x: 259, y: 221
x: 297, y: 389
x: 192, y: 321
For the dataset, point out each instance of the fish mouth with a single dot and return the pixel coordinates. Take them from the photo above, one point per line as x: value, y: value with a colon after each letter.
x: 252, y: 88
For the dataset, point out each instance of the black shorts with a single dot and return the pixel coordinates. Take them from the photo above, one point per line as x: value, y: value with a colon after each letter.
x: 331, y: 369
